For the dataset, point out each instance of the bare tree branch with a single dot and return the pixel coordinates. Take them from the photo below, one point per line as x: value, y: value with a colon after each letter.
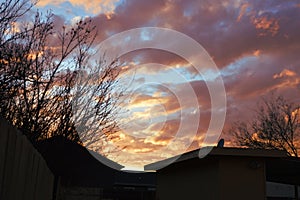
x: 276, y: 125
x: 39, y: 90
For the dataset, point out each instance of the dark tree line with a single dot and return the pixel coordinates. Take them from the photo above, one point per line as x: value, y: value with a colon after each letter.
x: 44, y: 73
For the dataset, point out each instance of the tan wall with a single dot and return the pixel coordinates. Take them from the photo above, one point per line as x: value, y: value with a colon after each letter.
x: 242, y: 178
x: 191, y: 179
x: 212, y: 178
x: 23, y: 172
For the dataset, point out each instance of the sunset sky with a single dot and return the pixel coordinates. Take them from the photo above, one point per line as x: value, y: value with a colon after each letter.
x: 255, y: 45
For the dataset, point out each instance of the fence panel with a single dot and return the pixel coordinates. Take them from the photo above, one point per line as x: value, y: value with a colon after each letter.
x: 24, y: 173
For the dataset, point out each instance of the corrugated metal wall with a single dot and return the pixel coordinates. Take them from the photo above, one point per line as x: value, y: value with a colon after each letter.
x: 24, y: 174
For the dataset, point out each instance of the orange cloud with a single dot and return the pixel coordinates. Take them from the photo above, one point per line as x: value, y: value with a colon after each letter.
x: 213, y: 26
x: 242, y: 11
x: 285, y: 73
x: 92, y: 6
x: 266, y: 25
x: 256, y: 53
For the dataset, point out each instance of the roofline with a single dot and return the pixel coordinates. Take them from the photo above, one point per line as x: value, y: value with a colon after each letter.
x: 106, y: 161
x: 217, y: 151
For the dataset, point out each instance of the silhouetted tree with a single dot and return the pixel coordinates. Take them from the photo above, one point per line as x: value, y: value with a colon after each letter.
x: 276, y: 125
x: 45, y: 73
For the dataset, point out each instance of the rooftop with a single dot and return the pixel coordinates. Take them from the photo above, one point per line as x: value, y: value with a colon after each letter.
x: 217, y: 151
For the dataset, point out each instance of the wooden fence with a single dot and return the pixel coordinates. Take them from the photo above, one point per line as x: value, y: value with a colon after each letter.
x: 24, y: 174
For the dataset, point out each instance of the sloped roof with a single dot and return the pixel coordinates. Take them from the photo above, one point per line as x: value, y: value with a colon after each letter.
x: 217, y: 151
x: 280, y: 167
x: 78, y: 167
x: 74, y: 163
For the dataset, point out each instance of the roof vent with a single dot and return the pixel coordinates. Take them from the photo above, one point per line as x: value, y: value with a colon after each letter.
x: 221, y: 143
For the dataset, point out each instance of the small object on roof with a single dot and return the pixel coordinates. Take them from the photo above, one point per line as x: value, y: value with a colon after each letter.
x: 221, y: 143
